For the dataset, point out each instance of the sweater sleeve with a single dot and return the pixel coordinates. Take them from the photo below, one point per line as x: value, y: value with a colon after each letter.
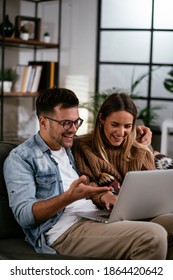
x: 86, y: 160
x: 96, y: 199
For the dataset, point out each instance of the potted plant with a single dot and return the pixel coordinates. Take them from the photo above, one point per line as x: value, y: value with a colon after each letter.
x: 46, y: 37
x: 24, y: 32
x: 7, y: 76
x: 147, y: 114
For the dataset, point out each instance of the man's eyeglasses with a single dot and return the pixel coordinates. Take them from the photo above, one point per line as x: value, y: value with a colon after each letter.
x: 67, y: 124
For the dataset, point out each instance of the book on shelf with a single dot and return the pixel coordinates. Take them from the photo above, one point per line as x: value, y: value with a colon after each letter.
x: 49, y: 74
x: 20, y: 76
x: 25, y: 78
x: 31, y: 79
x: 28, y: 78
x: 36, y: 80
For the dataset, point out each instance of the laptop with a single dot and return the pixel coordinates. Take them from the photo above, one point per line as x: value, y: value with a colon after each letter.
x: 143, y: 195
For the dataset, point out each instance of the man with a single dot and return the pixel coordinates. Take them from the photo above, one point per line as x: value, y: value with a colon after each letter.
x: 45, y: 190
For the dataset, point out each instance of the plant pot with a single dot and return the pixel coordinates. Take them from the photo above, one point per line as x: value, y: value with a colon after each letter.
x: 24, y: 36
x: 7, y: 85
x: 46, y: 39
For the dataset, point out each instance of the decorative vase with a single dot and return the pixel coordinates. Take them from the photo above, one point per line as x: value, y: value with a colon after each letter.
x: 6, y: 27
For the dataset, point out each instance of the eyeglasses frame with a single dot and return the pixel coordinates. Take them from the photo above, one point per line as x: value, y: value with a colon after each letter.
x: 62, y: 123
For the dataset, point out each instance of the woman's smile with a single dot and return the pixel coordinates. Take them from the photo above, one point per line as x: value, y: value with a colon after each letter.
x: 117, y: 127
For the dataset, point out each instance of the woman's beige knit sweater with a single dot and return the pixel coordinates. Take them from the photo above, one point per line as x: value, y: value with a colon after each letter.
x: 92, y: 165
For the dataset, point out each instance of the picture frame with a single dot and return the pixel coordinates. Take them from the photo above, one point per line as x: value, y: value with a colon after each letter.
x: 32, y: 25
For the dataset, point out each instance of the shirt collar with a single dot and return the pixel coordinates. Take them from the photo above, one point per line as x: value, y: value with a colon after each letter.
x: 44, y: 147
x: 41, y: 143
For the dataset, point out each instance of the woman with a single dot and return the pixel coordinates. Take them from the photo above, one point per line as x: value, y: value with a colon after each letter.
x: 107, y: 154
x: 112, y: 148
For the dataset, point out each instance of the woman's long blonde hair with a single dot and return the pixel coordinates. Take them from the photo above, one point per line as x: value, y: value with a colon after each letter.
x: 114, y: 103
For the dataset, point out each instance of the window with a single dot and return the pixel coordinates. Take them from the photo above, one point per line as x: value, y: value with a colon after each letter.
x: 135, y: 38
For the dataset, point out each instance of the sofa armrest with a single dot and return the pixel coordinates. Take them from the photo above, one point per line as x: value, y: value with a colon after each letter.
x: 8, y: 226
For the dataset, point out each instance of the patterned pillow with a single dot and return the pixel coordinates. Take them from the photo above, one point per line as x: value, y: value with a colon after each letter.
x: 163, y: 162
x: 109, y: 180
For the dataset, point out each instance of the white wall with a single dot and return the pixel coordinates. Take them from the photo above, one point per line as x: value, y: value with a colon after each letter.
x: 78, y: 39
x: 78, y: 49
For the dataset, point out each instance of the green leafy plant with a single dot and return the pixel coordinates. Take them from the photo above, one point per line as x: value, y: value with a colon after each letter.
x: 24, y: 29
x: 94, y: 103
x: 134, y: 83
x: 168, y: 82
x: 147, y: 114
x: 8, y: 75
x: 46, y: 34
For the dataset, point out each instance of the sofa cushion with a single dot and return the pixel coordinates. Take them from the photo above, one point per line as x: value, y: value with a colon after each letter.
x: 8, y: 225
x: 18, y: 249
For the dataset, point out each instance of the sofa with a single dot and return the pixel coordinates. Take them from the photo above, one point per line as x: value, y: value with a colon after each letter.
x: 12, y: 240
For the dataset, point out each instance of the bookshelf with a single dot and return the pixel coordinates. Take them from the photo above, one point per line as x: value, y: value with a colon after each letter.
x: 32, y: 45
x: 17, y: 41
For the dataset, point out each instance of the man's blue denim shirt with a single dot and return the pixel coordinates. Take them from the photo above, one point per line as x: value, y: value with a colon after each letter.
x: 31, y: 174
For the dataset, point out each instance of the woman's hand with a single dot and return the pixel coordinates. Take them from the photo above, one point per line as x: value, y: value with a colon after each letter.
x: 108, y: 199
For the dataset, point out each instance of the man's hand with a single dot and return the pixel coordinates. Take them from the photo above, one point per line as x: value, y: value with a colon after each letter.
x: 144, y: 135
x: 79, y: 189
x: 45, y: 209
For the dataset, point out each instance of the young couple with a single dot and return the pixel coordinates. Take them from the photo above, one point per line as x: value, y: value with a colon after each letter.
x: 46, y: 187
